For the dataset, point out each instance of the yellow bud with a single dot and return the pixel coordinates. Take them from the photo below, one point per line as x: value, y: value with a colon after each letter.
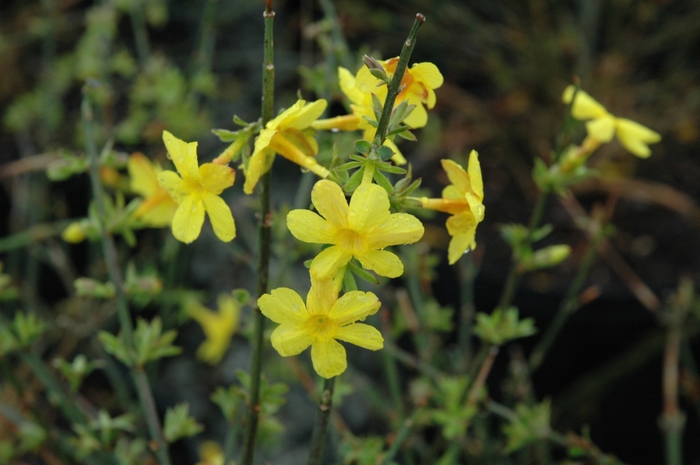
x: 74, y: 233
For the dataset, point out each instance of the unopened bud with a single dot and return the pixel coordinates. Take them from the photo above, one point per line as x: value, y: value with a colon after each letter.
x: 375, y: 68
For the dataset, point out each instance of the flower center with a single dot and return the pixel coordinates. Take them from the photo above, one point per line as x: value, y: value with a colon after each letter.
x: 350, y: 240
x: 321, y: 327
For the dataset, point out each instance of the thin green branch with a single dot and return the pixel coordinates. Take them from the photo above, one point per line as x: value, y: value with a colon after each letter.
x: 264, y: 245
x: 567, y: 307
x: 323, y: 415
x: 395, y: 85
x: 140, y: 379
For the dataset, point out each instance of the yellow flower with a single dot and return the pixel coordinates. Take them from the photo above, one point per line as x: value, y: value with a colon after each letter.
x: 320, y: 323
x: 197, y: 191
x: 288, y: 135
x: 419, y: 83
x: 157, y: 208
x: 74, y: 233
x: 218, y: 326
x: 210, y: 453
x: 361, y: 229
x: 464, y: 200
x: 603, y: 126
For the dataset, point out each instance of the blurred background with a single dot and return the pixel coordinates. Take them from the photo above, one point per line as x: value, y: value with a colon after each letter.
x: 190, y: 65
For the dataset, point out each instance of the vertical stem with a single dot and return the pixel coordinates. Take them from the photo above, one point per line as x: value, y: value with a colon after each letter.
x: 323, y: 415
x: 140, y: 379
x: 466, y: 273
x: 264, y: 245
x: 567, y: 307
x: 394, y: 86
x: 514, y: 275
x: 138, y: 23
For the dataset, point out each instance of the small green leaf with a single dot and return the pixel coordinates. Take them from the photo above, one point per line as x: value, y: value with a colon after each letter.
x: 179, y: 424
x: 363, y: 146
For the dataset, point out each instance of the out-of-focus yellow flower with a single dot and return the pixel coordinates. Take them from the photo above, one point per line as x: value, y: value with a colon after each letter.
x: 419, y: 83
x: 603, y: 126
x: 157, y: 208
x: 74, y: 233
x: 320, y: 323
x: 197, y: 190
x: 210, y: 453
x: 361, y: 230
x: 218, y: 326
x: 290, y: 135
x: 464, y: 200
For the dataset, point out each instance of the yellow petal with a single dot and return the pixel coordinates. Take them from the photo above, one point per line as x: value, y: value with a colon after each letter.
x: 142, y: 175
x: 183, y: 154
x: 174, y: 184
x: 361, y: 335
x: 347, y: 86
x: 220, y: 216
x: 321, y: 297
x: 307, y: 226
x: 369, y: 208
x: 349, y: 122
x: 328, y: 358
x: 474, y: 170
x: 326, y: 263
x: 259, y: 164
x: 188, y: 219
x: 215, y: 178
x: 459, y: 244
x: 382, y: 262
x: 418, y: 117
x: 354, y: 306
x: 457, y: 176
x: 602, y: 129
x: 400, y: 228
x: 284, y: 306
x: 428, y: 74
x: 585, y: 107
x: 290, y: 340
x: 461, y: 223
x: 635, y: 137
x: 306, y: 115
x: 329, y: 200
x: 157, y: 210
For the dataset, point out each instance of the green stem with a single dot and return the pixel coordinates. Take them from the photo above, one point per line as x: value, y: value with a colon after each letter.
x: 264, y: 245
x: 394, y: 86
x: 323, y: 415
x: 467, y: 272
x: 568, y: 306
x: 514, y: 274
x: 138, y: 23
x: 401, y: 436
x: 109, y: 250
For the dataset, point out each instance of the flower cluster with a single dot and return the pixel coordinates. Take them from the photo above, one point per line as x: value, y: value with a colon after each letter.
x: 603, y: 126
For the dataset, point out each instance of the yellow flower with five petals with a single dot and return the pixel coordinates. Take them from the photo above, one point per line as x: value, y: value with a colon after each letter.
x: 196, y: 189
x: 289, y: 135
x: 320, y: 323
x: 157, y: 208
x: 603, y: 126
x: 218, y: 326
x: 361, y: 229
x: 464, y: 200
x: 419, y: 83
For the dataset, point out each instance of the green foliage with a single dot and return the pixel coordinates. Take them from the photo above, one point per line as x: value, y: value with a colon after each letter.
x: 150, y: 344
x: 178, y: 424
x: 503, y: 325
x: 76, y: 371
x: 530, y: 423
x: 453, y: 413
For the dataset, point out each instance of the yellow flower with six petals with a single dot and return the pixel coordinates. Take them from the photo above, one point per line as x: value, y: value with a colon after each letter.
x: 196, y: 189
x: 157, y: 208
x: 218, y: 326
x: 464, y: 200
x: 320, y: 323
x: 288, y: 135
x: 361, y: 229
x: 603, y: 126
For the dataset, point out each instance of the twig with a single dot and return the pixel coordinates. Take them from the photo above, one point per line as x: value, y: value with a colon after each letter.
x: 264, y: 244
x: 318, y: 439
